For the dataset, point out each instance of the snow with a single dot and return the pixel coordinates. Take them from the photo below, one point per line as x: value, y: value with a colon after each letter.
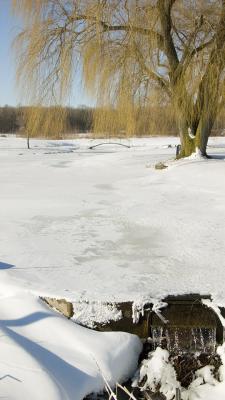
x: 95, y: 227
x: 209, y: 303
x: 205, y: 386
x: 90, y: 313
x: 206, y: 374
x: 157, y: 372
x: 158, y: 375
x: 45, y: 356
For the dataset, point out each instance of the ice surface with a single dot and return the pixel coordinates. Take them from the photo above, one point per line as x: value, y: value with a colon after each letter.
x: 98, y: 225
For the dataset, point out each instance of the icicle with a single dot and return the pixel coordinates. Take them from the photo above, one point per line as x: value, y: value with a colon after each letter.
x: 157, y: 309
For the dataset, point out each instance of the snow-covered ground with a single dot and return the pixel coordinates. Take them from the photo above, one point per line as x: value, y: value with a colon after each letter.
x: 103, y: 225
x: 98, y: 225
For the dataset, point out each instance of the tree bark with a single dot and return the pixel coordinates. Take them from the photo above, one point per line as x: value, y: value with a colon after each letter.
x: 187, y: 143
x: 28, y: 141
x: 203, y: 133
x: 192, y: 142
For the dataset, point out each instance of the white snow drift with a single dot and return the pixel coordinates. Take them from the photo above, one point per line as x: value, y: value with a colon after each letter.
x: 45, y: 356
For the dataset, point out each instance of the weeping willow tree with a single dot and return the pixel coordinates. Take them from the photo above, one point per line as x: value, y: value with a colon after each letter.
x: 133, y: 53
x: 42, y: 121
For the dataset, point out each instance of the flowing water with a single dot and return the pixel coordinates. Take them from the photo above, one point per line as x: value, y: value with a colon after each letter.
x: 178, y: 340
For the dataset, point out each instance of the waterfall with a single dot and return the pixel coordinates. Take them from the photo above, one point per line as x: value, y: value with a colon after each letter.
x: 181, y: 340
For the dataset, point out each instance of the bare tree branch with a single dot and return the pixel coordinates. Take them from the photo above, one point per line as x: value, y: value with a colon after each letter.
x: 164, y: 7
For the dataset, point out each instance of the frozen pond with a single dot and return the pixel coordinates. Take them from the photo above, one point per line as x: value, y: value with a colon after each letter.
x: 103, y: 224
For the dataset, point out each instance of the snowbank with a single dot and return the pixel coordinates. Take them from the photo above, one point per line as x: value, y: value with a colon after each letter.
x: 45, y: 356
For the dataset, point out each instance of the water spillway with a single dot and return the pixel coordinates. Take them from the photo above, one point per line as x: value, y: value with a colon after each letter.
x: 185, y: 325
x: 191, y: 326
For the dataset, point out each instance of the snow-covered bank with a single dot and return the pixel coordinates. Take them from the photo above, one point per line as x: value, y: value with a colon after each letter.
x: 45, y: 356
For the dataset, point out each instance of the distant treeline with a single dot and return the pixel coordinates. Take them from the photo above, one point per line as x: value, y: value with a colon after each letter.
x: 12, y: 119
x: 148, y: 121
x: 9, y: 119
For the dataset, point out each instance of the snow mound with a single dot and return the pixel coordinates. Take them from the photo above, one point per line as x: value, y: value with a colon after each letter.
x: 45, y: 356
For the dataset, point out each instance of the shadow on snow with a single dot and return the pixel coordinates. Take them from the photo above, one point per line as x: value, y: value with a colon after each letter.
x: 68, y: 379
x: 6, y: 266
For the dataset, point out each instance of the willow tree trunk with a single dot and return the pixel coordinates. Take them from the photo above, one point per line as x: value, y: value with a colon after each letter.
x: 202, y: 135
x: 195, y: 141
x: 187, y: 143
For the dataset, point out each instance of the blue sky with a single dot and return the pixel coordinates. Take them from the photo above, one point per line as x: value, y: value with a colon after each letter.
x: 9, y: 26
x: 7, y: 31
